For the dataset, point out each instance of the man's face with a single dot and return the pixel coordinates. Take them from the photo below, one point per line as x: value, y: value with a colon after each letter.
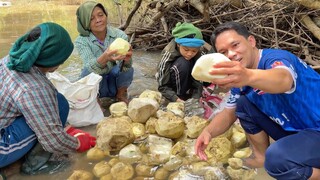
x: 237, y: 47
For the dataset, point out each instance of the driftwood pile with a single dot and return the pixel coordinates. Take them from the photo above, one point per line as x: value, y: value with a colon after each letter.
x: 287, y: 24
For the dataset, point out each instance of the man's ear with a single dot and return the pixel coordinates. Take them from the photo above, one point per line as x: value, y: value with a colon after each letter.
x: 252, y: 41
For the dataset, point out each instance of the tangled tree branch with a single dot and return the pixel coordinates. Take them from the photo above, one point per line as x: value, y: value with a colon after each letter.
x: 285, y: 24
x: 133, y: 11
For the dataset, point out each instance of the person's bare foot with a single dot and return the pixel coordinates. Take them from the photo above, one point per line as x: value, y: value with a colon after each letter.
x: 254, y: 161
x: 259, y: 143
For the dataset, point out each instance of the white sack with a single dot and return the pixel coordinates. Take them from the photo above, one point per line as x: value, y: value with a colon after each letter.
x: 82, y: 98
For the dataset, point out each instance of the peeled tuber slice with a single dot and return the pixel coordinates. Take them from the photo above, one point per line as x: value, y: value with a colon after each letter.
x: 122, y: 46
x: 204, y: 64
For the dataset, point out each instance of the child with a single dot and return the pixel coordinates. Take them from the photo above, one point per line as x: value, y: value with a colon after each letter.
x: 178, y: 58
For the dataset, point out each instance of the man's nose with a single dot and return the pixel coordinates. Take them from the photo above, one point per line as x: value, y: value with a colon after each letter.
x: 231, y: 54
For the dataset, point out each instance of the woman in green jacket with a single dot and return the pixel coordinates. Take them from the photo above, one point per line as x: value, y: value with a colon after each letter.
x: 92, y: 45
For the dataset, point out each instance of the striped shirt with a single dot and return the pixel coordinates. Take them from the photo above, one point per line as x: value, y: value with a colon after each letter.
x: 90, y: 49
x: 33, y: 96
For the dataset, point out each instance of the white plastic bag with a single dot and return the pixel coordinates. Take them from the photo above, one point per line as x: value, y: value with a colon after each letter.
x: 82, y: 98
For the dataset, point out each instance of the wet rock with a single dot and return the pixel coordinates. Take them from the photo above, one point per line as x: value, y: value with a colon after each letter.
x: 235, y: 163
x: 130, y: 154
x: 161, y: 174
x: 122, y: 171
x: 183, y: 174
x: 81, y: 175
x: 141, y: 109
x: 155, y: 95
x: 216, y: 173
x: 179, y: 149
x: 96, y: 154
x: 118, y: 109
x: 195, y: 125
x: 101, y: 169
x: 191, y: 156
x: 238, y: 138
x: 241, y: 174
x: 170, y: 126
x: 243, y: 153
x: 159, y: 150
x: 114, y: 133
x: 174, y: 163
x: 151, y: 125
x: 160, y: 143
x: 145, y: 170
x: 138, y: 130
x: 107, y: 177
x: 176, y: 108
x: 199, y: 168
x: 113, y: 161
x: 220, y: 149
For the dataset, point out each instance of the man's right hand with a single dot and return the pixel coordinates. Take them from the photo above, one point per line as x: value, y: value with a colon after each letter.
x: 202, y: 143
x: 86, y: 141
